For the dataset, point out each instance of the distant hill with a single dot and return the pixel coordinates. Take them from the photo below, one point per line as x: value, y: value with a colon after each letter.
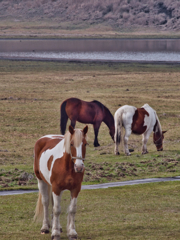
x: 119, y: 14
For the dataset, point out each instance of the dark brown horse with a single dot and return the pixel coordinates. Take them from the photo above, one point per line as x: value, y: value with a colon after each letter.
x: 86, y: 112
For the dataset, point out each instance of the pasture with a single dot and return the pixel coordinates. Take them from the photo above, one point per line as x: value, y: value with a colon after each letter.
x: 30, y: 97
x: 31, y: 94
x: 147, y: 211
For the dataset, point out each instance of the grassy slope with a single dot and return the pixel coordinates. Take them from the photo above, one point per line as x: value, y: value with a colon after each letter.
x: 10, y: 28
x: 147, y: 211
x: 31, y: 93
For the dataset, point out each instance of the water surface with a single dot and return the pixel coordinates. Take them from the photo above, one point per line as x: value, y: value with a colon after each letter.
x: 166, y: 50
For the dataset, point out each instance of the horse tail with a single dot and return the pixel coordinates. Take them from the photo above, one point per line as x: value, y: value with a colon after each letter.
x: 63, y: 118
x: 118, y: 128
x: 39, y: 206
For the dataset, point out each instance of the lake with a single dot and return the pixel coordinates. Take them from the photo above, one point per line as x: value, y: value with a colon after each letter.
x: 146, y: 50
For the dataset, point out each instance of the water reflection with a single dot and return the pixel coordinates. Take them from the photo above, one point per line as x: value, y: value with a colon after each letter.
x: 93, y: 49
x: 106, y: 56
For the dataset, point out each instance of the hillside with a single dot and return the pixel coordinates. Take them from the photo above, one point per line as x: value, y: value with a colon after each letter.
x: 115, y: 15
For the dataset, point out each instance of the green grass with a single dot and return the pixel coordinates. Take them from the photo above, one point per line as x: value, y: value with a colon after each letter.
x: 31, y: 94
x: 146, y: 211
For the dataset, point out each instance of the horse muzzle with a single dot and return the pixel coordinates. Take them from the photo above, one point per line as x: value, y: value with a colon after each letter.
x: 79, y: 169
x: 161, y: 149
x: 79, y: 166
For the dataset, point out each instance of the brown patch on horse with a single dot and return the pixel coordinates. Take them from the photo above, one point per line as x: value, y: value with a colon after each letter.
x: 68, y: 178
x: 49, y: 162
x: 138, y: 121
x: 41, y: 146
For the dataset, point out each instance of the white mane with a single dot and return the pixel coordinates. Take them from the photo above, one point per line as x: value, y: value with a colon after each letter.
x: 158, y: 122
x: 77, y: 138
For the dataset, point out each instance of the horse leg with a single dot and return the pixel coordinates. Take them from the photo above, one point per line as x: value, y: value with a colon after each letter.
x: 43, y: 188
x: 117, y: 140
x: 52, y: 214
x: 73, y: 123
x: 126, y: 138
x: 116, y: 149
x: 144, y: 142
x: 71, y: 232
x: 96, y: 130
x: 56, y: 227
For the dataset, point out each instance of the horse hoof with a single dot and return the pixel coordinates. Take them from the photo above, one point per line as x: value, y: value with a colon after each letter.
x: 72, y: 238
x: 44, y: 231
x: 61, y: 230
x: 55, y: 237
x: 131, y: 150
x: 128, y: 154
x: 117, y: 153
x: 144, y: 152
x: 96, y: 145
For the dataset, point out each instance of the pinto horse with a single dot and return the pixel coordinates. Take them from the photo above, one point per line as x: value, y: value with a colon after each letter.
x: 86, y: 112
x: 59, y: 165
x: 139, y: 121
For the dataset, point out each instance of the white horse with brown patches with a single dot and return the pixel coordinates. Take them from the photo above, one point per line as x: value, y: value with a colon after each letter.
x: 59, y: 165
x: 139, y: 121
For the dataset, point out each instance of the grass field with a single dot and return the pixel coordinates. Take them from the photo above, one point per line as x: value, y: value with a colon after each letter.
x: 30, y: 97
x: 147, y: 211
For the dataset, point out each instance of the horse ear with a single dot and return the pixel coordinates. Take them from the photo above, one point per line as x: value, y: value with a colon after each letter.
x: 164, y: 132
x: 85, y: 129
x: 71, y: 129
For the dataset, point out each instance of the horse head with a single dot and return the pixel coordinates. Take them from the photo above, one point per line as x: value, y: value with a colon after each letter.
x: 78, y: 147
x: 158, y: 140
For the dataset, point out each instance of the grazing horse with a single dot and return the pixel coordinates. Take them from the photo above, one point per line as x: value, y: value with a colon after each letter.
x: 86, y: 112
x: 139, y: 121
x: 59, y: 165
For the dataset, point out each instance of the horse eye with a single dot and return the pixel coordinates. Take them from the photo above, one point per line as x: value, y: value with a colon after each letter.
x: 71, y: 145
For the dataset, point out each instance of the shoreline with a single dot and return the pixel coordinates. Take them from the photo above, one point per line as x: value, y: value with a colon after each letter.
x: 89, y: 61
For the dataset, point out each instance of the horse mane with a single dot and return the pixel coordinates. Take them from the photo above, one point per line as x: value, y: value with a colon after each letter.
x: 99, y: 104
x: 77, y: 138
x: 104, y: 108
x: 157, y: 119
x: 158, y: 122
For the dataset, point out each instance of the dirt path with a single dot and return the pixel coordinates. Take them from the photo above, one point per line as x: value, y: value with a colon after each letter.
x: 103, y: 185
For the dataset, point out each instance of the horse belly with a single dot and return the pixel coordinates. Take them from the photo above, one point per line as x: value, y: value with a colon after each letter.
x: 43, y: 165
x: 138, y: 129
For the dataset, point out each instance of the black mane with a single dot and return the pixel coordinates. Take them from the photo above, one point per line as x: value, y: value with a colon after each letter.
x: 99, y: 104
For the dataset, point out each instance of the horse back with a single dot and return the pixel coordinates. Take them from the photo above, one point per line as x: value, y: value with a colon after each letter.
x: 84, y: 112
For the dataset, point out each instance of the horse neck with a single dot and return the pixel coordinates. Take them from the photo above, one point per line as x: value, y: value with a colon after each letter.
x: 108, y: 118
x: 68, y: 161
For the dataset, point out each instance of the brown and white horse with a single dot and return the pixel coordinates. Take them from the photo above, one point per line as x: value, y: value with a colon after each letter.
x: 139, y: 121
x: 59, y: 165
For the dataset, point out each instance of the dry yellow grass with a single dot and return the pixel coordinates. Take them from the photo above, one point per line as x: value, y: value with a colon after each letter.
x: 31, y: 93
